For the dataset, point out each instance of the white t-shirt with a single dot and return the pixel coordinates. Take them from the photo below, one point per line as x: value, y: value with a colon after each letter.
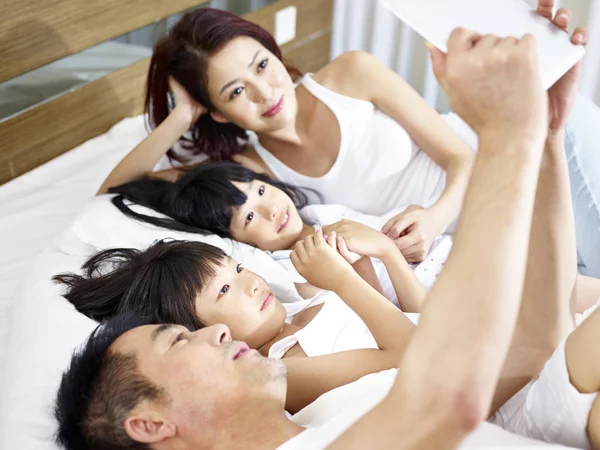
x: 335, y: 411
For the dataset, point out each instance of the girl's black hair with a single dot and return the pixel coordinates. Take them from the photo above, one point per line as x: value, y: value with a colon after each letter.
x: 200, y: 202
x: 160, y: 283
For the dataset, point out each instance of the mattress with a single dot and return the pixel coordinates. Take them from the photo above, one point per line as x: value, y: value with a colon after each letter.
x: 38, y: 206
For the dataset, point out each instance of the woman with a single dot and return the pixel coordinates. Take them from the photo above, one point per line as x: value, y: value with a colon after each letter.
x: 353, y: 131
x: 328, y: 344
x: 368, y: 141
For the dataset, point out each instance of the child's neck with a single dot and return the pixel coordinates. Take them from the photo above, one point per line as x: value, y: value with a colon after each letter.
x: 307, y: 230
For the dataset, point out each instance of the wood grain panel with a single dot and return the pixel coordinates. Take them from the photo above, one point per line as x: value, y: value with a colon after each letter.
x: 48, y: 130
x: 40, y: 134
x: 37, y: 32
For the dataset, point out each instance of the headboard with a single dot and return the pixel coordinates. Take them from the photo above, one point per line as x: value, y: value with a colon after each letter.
x: 34, y: 33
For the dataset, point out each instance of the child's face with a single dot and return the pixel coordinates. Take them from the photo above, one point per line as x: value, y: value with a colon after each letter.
x: 244, y: 302
x: 268, y: 220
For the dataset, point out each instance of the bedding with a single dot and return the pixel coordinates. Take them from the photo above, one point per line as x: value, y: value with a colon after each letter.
x: 43, y: 329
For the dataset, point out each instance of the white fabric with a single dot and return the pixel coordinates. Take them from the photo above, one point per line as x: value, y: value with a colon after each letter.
x: 335, y: 411
x: 43, y: 328
x: 549, y: 408
x: 321, y: 215
x: 379, y: 167
x: 335, y: 328
x: 102, y: 226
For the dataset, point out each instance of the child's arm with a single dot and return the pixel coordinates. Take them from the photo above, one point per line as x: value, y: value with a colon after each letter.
x: 363, y: 240
x: 142, y: 159
x: 320, y: 263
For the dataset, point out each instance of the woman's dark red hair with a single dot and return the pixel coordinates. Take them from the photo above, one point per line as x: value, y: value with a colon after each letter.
x: 183, y: 54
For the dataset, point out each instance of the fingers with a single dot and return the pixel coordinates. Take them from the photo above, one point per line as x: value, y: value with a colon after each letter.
x: 580, y: 36
x: 438, y: 64
x: 400, y: 225
x: 332, y: 240
x: 343, y: 248
x: 462, y: 39
x: 545, y: 8
x: 562, y: 18
x: 412, y: 238
x: 487, y: 42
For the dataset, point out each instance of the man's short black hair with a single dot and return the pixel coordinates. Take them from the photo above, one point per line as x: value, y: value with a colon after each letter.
x: 99, y: 390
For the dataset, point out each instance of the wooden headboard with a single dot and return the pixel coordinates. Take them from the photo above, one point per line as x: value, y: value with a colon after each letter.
x: 34, y: 33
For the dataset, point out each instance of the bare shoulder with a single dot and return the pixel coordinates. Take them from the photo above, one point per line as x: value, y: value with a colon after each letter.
x: 347, y: 73
x: 249, y: 158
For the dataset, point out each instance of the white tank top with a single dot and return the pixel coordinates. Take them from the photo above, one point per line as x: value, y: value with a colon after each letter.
x: 379, y: 167
x: 335, y: 328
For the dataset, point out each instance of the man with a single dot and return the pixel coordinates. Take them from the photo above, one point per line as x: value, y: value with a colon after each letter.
x: 163, y: 387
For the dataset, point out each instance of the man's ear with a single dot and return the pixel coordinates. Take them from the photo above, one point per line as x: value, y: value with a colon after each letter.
x: 218, y: 117
x: 149, y: 428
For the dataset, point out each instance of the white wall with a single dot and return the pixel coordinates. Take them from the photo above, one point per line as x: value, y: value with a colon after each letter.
x: 365, y: 25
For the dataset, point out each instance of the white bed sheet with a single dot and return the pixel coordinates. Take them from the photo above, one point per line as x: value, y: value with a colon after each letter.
x: 38, y: 206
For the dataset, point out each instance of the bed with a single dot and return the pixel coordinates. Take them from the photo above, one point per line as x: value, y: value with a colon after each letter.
x: 45, y: 184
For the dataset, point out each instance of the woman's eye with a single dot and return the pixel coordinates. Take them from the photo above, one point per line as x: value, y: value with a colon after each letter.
x: 239, y: 268
x: 262, y: 65
x: 261, y: 190
x: 235, y: 93
x: 249, y: 218
x: 224, y: 290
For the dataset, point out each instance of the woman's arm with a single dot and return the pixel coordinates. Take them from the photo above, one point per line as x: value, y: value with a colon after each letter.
x: 142, y: 159
x: 374, y: 82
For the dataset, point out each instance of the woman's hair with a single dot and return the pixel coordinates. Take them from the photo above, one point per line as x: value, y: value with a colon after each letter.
x: 201, y: 202
x: 183, y: 54
x: 160, y: 283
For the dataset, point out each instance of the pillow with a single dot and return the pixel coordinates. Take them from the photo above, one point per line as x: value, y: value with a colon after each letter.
x: 45, y: 329
x: 101, y: 225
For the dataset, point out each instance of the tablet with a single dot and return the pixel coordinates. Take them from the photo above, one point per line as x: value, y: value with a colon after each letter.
x: 435, y: 19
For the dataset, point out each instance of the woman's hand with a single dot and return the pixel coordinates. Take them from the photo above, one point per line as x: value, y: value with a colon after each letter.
x: 189, y: 108
x: 561, y: 96
x: 413, y: 231
x: 360, y: 240
x: 319, y: 262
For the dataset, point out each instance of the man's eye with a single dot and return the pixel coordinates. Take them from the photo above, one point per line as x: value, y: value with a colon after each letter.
x: 178, y: 338
x: 224, y: 290
x: 239, y: 268
x: 261, y: 190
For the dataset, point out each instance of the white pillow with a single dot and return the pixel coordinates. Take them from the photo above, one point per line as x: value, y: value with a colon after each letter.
x: 45, y: 329
x: 101, y: 225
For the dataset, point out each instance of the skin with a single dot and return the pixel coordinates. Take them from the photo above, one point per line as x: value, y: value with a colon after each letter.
x: 243, y: 300
x: 445, y: 386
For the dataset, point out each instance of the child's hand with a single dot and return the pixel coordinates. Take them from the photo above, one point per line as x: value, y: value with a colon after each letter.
x: 361, y: 239
x: 320, y: 263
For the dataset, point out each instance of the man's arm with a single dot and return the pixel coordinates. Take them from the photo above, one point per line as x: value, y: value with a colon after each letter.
x: 447, y: 376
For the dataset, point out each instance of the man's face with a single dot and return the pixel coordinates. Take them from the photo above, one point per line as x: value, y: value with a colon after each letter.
x: 205, y: 375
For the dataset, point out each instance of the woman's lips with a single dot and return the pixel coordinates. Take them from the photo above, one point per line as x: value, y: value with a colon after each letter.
x: 275, y: 109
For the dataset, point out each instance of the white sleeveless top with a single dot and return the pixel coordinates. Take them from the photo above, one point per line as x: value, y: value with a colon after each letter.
x: 379, y: 167
x: 335, y: 328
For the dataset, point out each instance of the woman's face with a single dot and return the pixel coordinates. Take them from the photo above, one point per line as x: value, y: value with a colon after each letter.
x: 244, y: 302
x: 250, y: 87
x: 268, y: 220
